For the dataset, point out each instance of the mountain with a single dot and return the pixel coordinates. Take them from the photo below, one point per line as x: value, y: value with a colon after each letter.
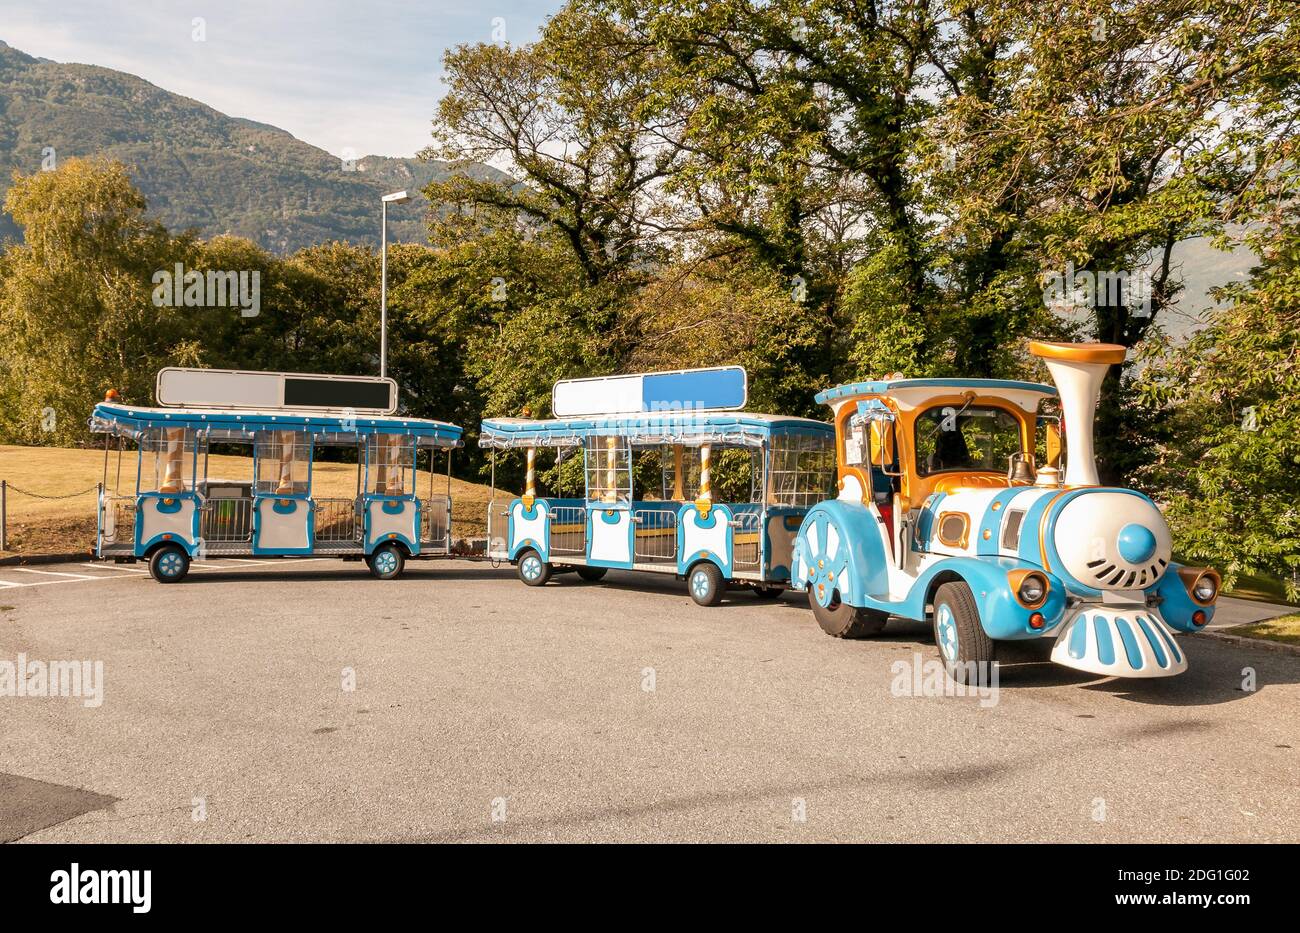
x: 201, y: 168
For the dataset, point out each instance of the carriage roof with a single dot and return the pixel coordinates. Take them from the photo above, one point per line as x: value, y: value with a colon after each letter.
x: 329, y: 427
x: 676, y: 427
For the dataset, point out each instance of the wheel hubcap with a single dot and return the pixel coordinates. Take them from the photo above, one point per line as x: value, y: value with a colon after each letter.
x: 700, y: 584
x: 171, y: 564
x: 946, y: 628
x: 386, y: 562
x: 532, y: 568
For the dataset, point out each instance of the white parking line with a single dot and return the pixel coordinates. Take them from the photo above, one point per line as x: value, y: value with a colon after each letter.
x: 122, y: 570
x: 55, y: 573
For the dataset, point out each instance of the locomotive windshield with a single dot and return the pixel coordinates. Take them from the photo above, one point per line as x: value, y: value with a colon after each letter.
x: 975, y: 437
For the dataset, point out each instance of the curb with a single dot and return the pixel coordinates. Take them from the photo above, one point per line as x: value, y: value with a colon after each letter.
x: 1243, y: 641
x: 46, y: 558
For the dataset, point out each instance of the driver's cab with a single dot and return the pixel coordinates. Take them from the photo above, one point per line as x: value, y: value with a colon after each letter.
x: 901, y: 442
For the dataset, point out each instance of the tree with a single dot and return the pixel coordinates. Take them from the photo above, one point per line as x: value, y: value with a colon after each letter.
x: 77, y: 315
x: 1231, y: 401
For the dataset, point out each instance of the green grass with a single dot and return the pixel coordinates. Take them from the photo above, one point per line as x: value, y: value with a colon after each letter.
x: 1285, y: 629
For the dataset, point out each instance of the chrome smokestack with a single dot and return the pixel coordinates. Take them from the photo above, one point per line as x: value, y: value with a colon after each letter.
x: 1078, y: 369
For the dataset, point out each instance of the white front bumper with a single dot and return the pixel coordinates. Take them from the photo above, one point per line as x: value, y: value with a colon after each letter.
x: 1127, y: 642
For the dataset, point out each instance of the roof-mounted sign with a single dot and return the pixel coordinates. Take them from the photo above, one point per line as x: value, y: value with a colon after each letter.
x: 230, y: 388
x: 722, y: 388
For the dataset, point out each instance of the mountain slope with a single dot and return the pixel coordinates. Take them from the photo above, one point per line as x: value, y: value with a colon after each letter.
x: 198, y: 167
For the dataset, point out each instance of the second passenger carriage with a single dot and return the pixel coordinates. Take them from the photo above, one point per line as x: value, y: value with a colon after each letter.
x: 676, y: 479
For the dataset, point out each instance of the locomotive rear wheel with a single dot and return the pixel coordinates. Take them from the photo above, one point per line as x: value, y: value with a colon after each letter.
x: 967, y: 651
x: 840, y: 620
x: 532, y: 570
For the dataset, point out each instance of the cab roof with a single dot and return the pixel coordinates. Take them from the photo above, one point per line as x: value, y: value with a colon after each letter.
x: 889, y: 386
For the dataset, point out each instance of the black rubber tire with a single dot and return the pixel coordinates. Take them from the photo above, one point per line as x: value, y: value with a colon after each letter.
x: 840, y: 620
x: 524, y: 566
x: 973, y: 643
x: 705, y: 584
x: 167, y: 556
x: 592, y: 574
x: 384, y: 567
x: 768, y: 592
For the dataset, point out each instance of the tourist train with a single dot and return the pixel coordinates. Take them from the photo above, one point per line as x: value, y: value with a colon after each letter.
x: 955, y: 502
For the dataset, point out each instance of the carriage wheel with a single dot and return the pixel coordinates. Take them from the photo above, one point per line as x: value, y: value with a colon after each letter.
x: 169, y: 564
x: 387, y: 562
x: 532, y: 569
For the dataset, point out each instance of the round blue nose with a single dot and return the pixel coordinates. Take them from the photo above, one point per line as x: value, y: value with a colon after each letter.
x: 1136, y: 543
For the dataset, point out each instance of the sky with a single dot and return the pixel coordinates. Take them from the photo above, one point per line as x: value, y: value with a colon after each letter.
x: 353, y: 77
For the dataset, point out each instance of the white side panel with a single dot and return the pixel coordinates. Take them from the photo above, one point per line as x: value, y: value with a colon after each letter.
x: 528, y: 528
x: 179, y: 523
x: 382, y: 524
x: 275, y: 531
x: 611, y: 542
x: 696, y: 539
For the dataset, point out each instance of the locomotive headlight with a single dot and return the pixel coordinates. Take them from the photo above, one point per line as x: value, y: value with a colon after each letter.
x: 1202, y: 585
x: 1029, y: 586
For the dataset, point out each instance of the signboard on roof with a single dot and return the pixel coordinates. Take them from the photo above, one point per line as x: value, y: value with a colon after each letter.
x: 260, y: 391
x: 721, y: 388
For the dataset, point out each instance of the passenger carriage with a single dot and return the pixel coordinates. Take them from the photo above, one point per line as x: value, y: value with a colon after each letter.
x: 952, y: 508
x: 179, y: 511
x: 653, y: 449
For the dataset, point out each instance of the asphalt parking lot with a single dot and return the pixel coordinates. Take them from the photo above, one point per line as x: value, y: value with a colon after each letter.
x: 302, y: 700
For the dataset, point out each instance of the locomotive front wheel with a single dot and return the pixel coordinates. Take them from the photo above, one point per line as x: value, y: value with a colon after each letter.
x: 387, y: 562
x: 705, y: 584
x: 965, y: 647
x: 840, y: 620
x: 532, y: 569
x: 169, y: 564
x: 592, y: 574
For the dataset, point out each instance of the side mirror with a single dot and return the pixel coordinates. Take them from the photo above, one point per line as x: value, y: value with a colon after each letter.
x: 1053, y: 443
x: 882, y: 443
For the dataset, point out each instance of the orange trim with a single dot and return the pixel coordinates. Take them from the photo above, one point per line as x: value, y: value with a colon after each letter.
x: 1016, y: 577
x: 961, y: 539
x: 1042, y: 528
x: 1109, y: 353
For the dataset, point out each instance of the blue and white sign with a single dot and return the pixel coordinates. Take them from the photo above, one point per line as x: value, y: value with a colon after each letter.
x: 722, y: 388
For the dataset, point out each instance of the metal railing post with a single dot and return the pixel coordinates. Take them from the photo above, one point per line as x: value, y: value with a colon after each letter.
x: 3, y: 508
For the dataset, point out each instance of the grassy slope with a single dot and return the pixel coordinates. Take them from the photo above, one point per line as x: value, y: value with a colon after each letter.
x: 39, y: 526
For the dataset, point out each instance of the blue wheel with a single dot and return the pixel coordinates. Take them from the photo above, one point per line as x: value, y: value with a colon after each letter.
x: 532, y: 569
x: 705, y: 584
x: 169, y: 564
x: 387, y: 562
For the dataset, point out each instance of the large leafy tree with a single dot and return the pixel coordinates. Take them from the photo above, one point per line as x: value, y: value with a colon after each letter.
x: 76, y: 311
x: 1229, y: 466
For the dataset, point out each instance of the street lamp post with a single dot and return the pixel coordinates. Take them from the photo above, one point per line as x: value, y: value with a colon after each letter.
x: 397, y: 197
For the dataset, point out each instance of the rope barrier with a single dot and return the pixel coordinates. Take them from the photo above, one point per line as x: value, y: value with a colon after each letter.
x: 37, y: 495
